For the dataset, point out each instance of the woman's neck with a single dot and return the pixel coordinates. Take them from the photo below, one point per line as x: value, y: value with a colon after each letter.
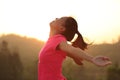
x: 52, y: 33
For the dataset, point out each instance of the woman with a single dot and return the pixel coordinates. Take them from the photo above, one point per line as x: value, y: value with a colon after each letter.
x: 52, y: 55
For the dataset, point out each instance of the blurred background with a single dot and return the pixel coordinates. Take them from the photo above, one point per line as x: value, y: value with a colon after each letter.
x: 24, y: 28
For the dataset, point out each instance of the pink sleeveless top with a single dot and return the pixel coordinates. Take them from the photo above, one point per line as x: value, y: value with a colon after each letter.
x: 50, y: 59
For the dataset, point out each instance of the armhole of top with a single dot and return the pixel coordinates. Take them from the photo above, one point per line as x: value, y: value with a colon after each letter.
x: 57, y: 47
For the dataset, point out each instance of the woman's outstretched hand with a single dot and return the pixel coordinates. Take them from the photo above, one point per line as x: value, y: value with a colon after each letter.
x: 101, y: 61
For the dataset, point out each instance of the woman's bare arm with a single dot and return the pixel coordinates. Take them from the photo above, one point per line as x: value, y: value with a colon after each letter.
x: 77, y: 54
x: 74, y: 52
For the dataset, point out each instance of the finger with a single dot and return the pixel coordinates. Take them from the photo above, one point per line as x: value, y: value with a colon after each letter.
x: 105, y: 64
x: 106, y: 58
x: 108, y: 63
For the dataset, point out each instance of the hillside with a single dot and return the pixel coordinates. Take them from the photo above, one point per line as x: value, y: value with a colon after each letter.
x: 29, y: 48
x: 110, y: 50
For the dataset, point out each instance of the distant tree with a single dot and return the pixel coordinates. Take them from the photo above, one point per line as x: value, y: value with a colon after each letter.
x: 113, y: 73
x: 17, y: 65
x: 10, y: 64
x: 5, y: 62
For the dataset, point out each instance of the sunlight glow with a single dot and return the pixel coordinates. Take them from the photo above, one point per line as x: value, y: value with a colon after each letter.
x: 98, y: 20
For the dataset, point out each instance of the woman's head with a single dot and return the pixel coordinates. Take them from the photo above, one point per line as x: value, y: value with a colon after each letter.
x: 65, y: 26
x: 68, y: 27
x: 56, y: 26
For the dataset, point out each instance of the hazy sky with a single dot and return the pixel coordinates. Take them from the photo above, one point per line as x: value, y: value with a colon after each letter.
x: 98, y: 20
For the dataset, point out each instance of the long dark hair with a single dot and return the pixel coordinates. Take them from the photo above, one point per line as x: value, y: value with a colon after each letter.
x: 72, y: 29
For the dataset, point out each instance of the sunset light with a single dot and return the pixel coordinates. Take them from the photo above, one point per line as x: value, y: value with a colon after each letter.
x: 98, y: 20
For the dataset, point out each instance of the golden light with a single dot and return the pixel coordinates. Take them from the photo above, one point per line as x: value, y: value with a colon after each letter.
x: 98, y: 20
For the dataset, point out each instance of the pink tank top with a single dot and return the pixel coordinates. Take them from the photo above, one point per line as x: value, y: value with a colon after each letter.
x: 50, y: 59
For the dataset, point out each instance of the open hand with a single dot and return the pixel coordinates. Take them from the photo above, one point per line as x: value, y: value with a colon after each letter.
x: 101, y: 61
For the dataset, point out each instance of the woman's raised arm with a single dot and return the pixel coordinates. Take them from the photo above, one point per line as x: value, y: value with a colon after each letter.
x: 77, y: 54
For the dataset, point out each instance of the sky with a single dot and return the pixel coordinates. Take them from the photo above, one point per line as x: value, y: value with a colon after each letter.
x: 98, y: 20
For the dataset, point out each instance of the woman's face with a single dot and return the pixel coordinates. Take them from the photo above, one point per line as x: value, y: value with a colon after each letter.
x: 58, y: 23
